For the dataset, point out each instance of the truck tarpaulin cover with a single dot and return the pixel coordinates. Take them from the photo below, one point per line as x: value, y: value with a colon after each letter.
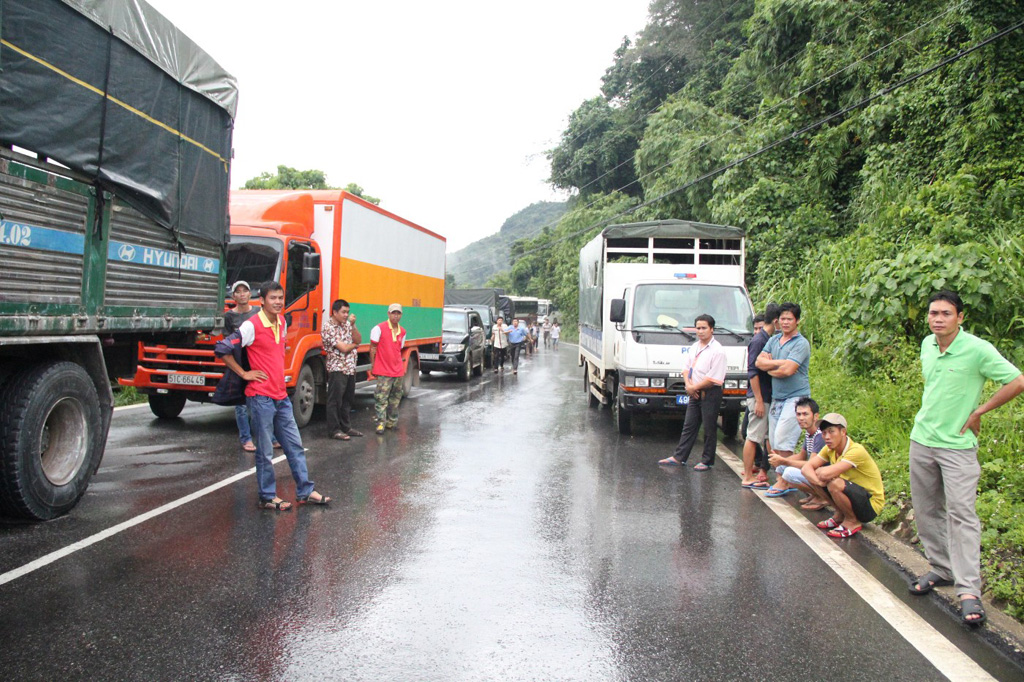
x: 487, y: 297
x: 113, y: 90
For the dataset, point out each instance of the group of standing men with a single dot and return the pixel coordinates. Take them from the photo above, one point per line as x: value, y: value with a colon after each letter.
x: 508, y: 342
x: 267, y: 417
x: 836, y: 472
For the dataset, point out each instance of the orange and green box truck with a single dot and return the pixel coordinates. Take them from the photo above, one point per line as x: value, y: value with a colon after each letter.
x: 320, y: 245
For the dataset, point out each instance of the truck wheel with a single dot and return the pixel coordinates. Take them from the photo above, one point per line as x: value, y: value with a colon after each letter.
x: 592, y: 400
x: 464, y: 369
x: 478, y: 371
x: 166, y: 405
x: 410, y: 373
x: 623, y: 418
x: 54, y: 435
x: 730, y: 423
x: 304, y: 398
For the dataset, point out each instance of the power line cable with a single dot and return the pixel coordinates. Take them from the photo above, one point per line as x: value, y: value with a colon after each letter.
x: 895, y: 41
x: 812, y: 126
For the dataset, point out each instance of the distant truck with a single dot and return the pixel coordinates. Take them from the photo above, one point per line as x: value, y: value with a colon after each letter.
x: 113, y: 222
x: 641, y: 286
x: 321, y: 245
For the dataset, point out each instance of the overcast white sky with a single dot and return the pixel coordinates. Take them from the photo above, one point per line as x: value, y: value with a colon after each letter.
x: 442, y: 109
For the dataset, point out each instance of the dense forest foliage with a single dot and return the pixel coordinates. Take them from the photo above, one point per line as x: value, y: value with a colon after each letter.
x: 485, y: 258
x: 873, y: 150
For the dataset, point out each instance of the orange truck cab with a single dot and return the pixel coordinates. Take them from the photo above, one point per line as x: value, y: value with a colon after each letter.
x: 320, y: 245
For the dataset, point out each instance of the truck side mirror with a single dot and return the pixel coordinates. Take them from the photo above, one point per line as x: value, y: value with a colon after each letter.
x: 618, y: 310
x: 310, y: 270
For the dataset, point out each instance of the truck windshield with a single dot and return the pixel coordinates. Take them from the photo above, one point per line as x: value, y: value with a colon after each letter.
x: 455, y: 322
x: 676, y: 305
x: 253, y: 259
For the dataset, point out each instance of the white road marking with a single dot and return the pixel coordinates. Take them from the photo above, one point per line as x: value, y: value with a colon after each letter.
x: 114, y: 530
x: 940, y: 652
x: 130, y: 407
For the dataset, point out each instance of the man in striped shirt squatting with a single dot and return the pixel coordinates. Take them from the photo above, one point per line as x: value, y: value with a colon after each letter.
x: 267, y: 399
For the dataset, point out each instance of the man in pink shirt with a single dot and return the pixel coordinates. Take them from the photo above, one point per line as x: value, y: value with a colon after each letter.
x: 704, y: 373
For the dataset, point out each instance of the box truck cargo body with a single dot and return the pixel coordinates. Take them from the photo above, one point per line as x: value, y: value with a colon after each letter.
x: 320, y: 245
x: 657, y: 277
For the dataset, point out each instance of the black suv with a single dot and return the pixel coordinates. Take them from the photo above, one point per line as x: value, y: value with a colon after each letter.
x: 462, y: 346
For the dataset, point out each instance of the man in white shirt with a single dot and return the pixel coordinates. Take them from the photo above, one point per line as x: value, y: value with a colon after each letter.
x: 499, y: 344
x: 704, y: 373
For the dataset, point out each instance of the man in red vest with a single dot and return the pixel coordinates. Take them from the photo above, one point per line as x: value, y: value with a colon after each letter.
x: 387, y: 340
x: 267, y: 399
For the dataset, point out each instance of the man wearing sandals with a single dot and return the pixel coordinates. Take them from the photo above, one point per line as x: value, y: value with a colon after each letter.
x: 340, y: 341
x: 759, y: 397
x: 844, y: 473
x: 703, y: 373
x: 267, y: 399
x: 944, y: 467
x: 790, y: 469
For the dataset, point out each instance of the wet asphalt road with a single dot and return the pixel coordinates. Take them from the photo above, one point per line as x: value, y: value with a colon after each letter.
x: 502, y: 532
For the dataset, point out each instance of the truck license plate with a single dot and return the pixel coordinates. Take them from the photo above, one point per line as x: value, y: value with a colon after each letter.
x: 682, y: 400
x: 187, y: 379
x: 429, y: 356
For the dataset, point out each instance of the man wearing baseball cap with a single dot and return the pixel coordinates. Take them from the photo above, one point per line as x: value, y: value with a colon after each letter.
x: 233, y: 319
x: 844, y: 472
x: 387, y: 340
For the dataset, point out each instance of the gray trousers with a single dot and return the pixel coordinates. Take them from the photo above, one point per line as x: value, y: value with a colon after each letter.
x: 943, y: 488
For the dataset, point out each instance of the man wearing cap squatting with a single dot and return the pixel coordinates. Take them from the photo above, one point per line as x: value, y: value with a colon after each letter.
x: 844, y: 472
x: 387, y: 340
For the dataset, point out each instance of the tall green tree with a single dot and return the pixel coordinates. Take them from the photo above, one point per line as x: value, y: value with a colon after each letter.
x: 289, y: 178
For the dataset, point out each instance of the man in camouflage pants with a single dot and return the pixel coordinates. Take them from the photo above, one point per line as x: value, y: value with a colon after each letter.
x: 387, y: 340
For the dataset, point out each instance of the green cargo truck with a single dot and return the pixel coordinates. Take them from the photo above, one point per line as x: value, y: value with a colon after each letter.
x: 115, y: 140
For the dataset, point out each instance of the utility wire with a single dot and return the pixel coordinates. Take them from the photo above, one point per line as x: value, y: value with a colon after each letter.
x: 812, y: 126
x: 691, y: 152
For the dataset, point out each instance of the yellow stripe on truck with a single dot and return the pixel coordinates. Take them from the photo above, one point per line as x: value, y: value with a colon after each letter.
x: 361, y: 282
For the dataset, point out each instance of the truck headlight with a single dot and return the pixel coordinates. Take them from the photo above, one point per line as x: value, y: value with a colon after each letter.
x: 743, y: 383
x: 658, y: 383
x: 730, y: 383
x: 453, y: 348
x: 630, y: 381
x: 642, y: 381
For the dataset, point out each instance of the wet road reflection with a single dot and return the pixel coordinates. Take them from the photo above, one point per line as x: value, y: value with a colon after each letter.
x: 504, y: 532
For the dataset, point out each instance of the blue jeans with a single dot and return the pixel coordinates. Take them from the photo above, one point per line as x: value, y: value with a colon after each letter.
x: 275, y: 417
x: 242, y: 419
x: 783, y: 429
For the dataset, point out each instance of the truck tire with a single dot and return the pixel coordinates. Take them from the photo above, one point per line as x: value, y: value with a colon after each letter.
x: 478, y: 371
x: 410, y: 374
x: 622, y: 417
x: 730, y: 423
x: 304, y: 398
x: 592, y: 400
x: 166, y: 405
x: 53, y: 439
x: 464, y: 370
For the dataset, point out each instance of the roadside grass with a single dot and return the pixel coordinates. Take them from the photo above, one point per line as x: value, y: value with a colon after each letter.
x: 127, y: 395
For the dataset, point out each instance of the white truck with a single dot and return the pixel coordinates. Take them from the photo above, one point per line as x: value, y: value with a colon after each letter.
x: 641, y: 286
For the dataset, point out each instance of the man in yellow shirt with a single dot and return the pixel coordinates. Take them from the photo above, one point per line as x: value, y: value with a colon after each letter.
x: 844, y: 472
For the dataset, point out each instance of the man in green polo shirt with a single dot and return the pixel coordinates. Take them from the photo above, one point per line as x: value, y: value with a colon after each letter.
x: 944, y: 467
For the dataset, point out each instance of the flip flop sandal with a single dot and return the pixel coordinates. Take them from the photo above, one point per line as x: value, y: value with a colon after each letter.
x: 827, y: 524
x: 338, y: 435
x: 970, y: 607
x: 760, y: 485
x: 701, y: 467
x: 324, y: 500
x: 668, y: 461
x: 843, y: 532
x: 249, y: 447
x: 817, y: 506
x: 275, y: 506
x: 928, y: 582
x: 775, y: 492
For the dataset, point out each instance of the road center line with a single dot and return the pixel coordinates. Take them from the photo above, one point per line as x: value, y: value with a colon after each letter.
x: 114, y: 530
x: 940, y: 652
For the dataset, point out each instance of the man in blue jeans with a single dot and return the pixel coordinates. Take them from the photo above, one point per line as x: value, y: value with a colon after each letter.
x: 787, y: 359
x: 267, y: 399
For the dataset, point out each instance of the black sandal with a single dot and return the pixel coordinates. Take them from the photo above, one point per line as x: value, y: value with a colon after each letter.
x: 970, y: 607
x: 280, y: 505
x: 324, y: 500
x: 927, y: 582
